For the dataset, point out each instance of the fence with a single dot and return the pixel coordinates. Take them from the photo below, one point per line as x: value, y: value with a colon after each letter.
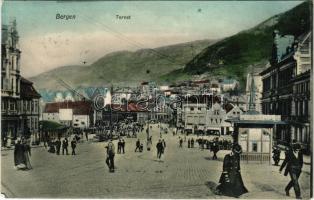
x: 255, y: 157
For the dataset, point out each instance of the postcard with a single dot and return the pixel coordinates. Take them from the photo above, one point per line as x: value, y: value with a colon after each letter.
x: 156, y: 99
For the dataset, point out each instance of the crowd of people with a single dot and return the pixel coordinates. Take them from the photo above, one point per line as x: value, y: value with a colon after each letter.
x: 230, y: 182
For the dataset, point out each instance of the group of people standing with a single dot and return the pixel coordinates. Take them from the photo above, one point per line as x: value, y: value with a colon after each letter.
x: 121, y: 146
x: 55, y: 146
x: 22, y: 152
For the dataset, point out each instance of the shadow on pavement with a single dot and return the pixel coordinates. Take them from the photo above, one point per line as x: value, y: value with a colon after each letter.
x: 211, y: 159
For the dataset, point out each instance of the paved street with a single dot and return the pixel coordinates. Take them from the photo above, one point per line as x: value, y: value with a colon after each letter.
x: 182, y: 173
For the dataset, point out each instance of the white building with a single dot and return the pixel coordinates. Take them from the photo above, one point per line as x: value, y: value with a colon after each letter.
x: 78, y: 114
x: 229, y: 84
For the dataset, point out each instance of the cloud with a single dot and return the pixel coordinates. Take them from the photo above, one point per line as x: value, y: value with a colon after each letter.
x: 49, y: 51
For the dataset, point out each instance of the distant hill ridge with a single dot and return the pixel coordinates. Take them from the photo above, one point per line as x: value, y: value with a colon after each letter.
x: 124, y: 67
x: 231, y: 57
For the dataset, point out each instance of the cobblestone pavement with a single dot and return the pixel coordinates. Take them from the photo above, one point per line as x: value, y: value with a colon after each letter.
x: 181, y: 173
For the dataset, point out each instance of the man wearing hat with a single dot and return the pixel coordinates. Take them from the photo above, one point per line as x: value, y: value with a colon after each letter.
x: 276, y: 155
x: 110, y: 156
x: 293, y: 163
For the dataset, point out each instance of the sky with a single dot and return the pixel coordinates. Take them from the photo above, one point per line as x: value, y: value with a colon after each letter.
x: 47, y: 43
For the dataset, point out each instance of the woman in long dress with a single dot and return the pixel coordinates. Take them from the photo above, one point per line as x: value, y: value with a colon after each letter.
x: 231, y: 183
x: 19, y: 158
x: 27, y: 153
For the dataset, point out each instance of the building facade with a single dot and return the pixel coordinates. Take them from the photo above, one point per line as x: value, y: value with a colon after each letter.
x: 19, y: 99
x: 286, y: 87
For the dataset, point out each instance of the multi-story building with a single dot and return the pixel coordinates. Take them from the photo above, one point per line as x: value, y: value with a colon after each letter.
x: 28, y: 106
x: 19, y: 99
x: 206, y: 113
x: 286, y: 87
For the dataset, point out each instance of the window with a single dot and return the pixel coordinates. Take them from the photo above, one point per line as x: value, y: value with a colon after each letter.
x: 192, y: 108
x: 254, y: 146
x: 12, y: 105
x: 199, y: 108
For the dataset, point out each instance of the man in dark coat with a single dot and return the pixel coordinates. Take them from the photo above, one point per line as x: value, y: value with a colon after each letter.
x: 138, y: 145
x: 86, y: 135
x: 119, y: 146
x: 73, y: 146
x: 276, y: 155
x: 293, y: 163
x: 110, y: 156
x: 159, y: 147
x: 123, y: 145
x: 180, y: 142
x: 192, y: 143
x: 231, y: 183
x: 65, y: 144
x: 215, y: 149
x: 58, y: 146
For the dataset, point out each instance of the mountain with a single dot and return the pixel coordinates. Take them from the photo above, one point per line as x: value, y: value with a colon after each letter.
x: 232, y: 56
x: 123, y: 67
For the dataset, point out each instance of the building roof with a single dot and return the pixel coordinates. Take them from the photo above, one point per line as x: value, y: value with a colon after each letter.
x: 27, y: 90
x: 201, y: 81
x: 228, y: 107
x: 257, y: 122
x: 131, y: 107
x: 79, y: 107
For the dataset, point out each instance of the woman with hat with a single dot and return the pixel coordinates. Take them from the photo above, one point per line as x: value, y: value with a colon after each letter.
x: 231, y: 183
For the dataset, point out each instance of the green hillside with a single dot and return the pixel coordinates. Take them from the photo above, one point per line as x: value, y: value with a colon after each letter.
x: 124, y: 67
x: 232, y: 56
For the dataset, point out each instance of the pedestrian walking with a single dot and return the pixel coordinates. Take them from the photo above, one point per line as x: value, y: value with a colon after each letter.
x: 189, y: 143
x: 73, y: 146
x: 180, y: 142
x: 123, y: 145
x: 58, y: 146
x: 293, y: 163
x: 86, y: 135
x: 231, y: 183
x: 163, y: 145
x: 138, y: 145
x: 65, y: 144
x: 215, y: 149
x: 159, y: 147
x: 110, y: 156
x: 192, y: 143
x: 148, y: 144
x: 276, y: 155
x: 119, y: 146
